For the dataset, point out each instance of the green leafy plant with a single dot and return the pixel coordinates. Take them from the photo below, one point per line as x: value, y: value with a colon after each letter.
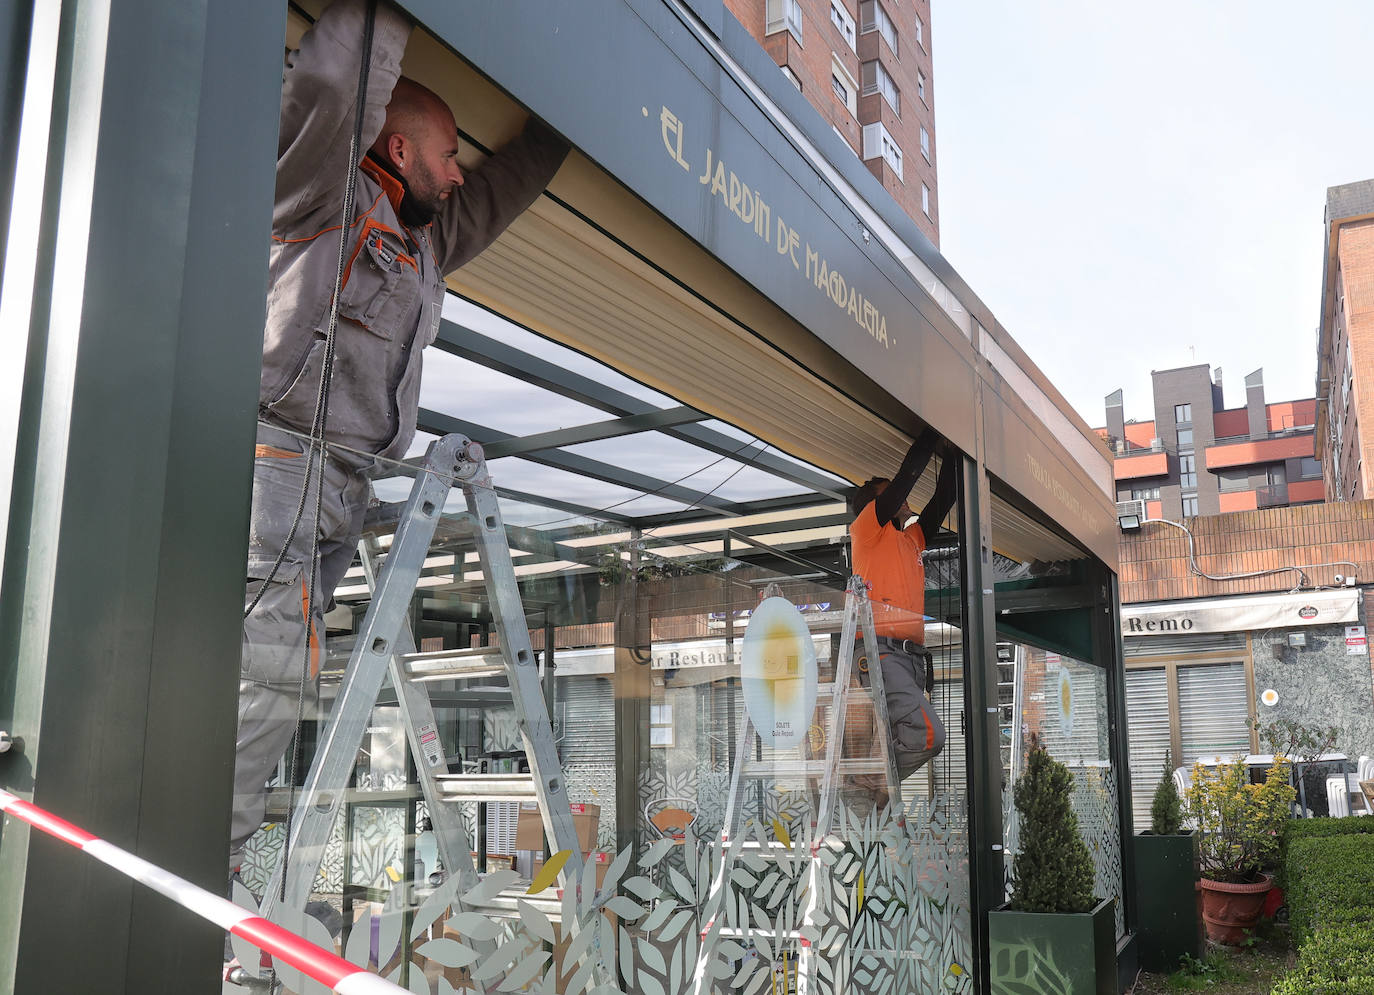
x: 1200, y: 973
x: 1239, y: 823
x: 1299, y: 743
x: 1053, y: 872
x: 1331, y: 900
x: 1166, y: 809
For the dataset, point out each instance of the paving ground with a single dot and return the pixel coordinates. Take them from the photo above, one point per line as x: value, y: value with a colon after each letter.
x: 1248, y: 970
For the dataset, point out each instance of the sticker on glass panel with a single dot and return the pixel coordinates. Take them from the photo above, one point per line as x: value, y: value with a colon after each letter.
x: 778, y: 671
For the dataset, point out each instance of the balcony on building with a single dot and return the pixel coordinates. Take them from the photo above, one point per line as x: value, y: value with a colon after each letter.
x: 1137, y: 462
x: 1248, y: 450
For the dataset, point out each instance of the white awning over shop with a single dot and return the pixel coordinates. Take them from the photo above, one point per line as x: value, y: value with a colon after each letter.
x: 1241, y: 613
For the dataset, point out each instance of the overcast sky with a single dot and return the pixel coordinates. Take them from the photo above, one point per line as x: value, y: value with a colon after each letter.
x: 1140, y: 186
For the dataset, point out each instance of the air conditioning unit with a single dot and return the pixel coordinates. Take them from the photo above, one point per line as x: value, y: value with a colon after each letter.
x: 1130, y: 515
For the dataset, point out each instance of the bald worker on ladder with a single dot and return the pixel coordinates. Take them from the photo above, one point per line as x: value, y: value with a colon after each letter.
x: 360, y: 248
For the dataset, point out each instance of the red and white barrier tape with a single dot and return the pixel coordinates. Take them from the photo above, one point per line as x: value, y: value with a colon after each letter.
x: 322, y: 965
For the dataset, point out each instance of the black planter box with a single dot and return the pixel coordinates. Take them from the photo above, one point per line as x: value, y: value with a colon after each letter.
x: 1169, y: 923
x: 1068, y: 953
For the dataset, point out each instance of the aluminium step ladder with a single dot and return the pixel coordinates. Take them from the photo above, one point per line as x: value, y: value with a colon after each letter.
x: 858, y: 617
x: 385, y: 645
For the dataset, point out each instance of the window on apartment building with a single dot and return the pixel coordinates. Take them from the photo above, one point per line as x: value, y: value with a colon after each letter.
x: 1183, y: 414
x: 1278, y: 475
x: 920, y: 31
x: 846, y: 90
x: 785, y: 14
x: 1190, y: 506
x: 1185, y: 438
x: 843, y: 21
x: 925, y: 143
x: 873, y: 17
x: 792, y: 77
x: 1187, y: 471
x: 1233, y: 480
x: 921, y: 86
x: 877, y: 80
x: 1145, y: 493
x: 878, y: 142
x: 1309, y: 467
x: 925, y: 199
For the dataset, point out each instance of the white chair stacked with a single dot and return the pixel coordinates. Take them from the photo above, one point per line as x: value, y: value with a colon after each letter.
x: 1337, y: 796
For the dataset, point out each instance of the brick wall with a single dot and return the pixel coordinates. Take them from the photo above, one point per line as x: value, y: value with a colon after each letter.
x: 1355, y: 253
x: 1154, y: 560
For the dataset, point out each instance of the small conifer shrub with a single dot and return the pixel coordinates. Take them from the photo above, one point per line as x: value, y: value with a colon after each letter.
x: 1166, y: 810
x: 1054, y: 871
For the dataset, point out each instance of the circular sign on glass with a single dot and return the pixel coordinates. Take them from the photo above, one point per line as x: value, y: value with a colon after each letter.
x: 778, y: 673
x: 1065, y: 702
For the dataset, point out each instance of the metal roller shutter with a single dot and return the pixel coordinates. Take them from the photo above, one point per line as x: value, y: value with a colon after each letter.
x: 1147, y: 719
x: 1213, y: 710
x: 586, y: 721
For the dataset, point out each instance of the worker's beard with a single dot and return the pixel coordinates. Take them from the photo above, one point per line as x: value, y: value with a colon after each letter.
x: 423, y: 198
x: 418, y: 207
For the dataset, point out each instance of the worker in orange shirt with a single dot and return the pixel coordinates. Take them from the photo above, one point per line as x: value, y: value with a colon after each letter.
x: 887, y: 547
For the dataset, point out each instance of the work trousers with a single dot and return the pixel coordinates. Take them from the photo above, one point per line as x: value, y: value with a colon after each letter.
x: 917, y: 732
x: 275, y: 671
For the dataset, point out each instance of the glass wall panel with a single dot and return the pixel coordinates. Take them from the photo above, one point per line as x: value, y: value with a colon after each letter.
x: 731, y: 775
x: 1055, y: 677
x: 1066, y: 708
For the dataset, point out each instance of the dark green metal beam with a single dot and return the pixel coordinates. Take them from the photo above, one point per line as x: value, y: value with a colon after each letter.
x: 488, y: 352
x: 595, y: 432
x: 135, y: 463
x: 442, y: 424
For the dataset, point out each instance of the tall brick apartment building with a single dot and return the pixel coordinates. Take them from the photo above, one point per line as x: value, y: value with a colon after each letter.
x: 1345, y: 343
x: 865, y: 65
x: 1196, y: 457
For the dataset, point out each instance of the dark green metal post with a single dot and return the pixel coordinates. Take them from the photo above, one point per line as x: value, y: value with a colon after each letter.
x: 131, y: 480
x: 1107, y: 636
x: 980, y: 668
x: 632, y: 692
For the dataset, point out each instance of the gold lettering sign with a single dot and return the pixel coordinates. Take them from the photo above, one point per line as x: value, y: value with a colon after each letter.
x: 748, y: 205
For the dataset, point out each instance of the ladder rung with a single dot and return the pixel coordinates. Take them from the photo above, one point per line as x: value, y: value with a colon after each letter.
x: 460, y: 664
x: 827, y: 690
x: 814, y: 768
x: 487, y: 787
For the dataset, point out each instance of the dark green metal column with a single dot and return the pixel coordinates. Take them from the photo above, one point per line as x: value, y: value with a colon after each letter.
x: 980, y: 668
x: 15, y: 21
x: 129, y: 515
x: 1107, y: 641
x: 633, y: 688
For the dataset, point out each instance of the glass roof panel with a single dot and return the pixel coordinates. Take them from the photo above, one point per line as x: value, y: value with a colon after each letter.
x: 725, y: 428
x: 479, y: 319
x: 691, y: 466
x: 464, y: 389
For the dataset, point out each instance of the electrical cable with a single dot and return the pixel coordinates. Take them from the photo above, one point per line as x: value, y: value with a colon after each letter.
x: 318, y: 447
x: 1299, y: 568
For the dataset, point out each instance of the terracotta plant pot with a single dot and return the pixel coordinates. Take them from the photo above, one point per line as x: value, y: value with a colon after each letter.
x: 1229, y: 910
